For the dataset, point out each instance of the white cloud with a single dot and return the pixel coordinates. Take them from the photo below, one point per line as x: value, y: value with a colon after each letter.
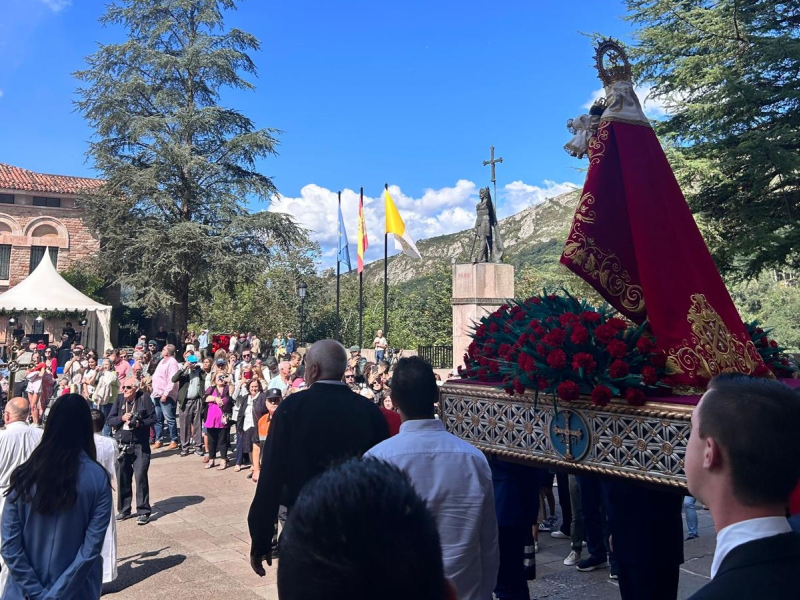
x: 519, y: 195
x: 654, y: 108
x: 436, y: 212
x: 57, y: 5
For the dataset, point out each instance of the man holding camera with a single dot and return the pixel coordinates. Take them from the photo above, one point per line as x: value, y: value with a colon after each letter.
x: 131, y: 417
x: 190, y: 379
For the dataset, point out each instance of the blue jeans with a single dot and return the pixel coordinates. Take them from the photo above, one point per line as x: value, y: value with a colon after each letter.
x: 691, y: 515
x: 379, y: 355
x: 159, y: 424
x: 168, y: 410
x: 106, y: 410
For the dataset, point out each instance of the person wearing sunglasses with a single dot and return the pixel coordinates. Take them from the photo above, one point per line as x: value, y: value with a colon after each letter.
x: 350, y: 380
x: 131, y: 417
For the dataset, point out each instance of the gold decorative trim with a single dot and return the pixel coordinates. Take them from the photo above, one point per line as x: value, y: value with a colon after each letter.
x: 712, y: 349
x: 601, y: 266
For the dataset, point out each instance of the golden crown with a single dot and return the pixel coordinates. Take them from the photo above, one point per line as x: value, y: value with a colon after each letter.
x: 612, y: 62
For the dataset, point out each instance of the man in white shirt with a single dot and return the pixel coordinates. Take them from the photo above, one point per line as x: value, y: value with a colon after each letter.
x: 281, y: 380
x: 17, y: 442
x: 380, y: 344
x: 451, y: 475
x: 743, y: 461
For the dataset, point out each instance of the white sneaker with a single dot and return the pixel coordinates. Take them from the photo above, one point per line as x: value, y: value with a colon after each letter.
x: 535, y: 547
x: 559, y: 535
x: 572, y: 559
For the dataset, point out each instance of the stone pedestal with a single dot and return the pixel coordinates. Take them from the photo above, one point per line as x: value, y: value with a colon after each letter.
x: 478, y: 289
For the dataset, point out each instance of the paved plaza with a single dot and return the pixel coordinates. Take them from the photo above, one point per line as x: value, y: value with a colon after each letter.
x: 197, y: 545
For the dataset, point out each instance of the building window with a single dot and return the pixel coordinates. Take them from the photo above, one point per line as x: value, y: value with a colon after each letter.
x: 48, y: 202
x: 5, y: 260
x: 6, y: 198
x: 37, y: 252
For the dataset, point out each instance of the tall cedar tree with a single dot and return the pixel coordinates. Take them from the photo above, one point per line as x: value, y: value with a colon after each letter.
x: 730, y: 72
x: 179, y: 167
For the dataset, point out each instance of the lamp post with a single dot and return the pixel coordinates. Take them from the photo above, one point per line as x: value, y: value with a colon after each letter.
x: 301, y: 292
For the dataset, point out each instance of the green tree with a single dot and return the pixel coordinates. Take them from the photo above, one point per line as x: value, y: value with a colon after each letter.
x: 180, y: 168
x: 85, y: 278
x: 729, y: 70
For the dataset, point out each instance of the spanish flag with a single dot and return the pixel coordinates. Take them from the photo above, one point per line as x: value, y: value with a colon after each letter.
x: 396, y: 227
x: 363, y: 242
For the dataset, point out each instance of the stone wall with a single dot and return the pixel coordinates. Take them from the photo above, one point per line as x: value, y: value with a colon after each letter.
x: 24, y: 226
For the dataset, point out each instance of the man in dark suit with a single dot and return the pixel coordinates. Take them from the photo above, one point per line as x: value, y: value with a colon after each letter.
x: 743, y: 461
x: 310, y: 431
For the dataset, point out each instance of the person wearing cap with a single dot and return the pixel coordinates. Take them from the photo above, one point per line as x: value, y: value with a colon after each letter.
x: 190, y: 379
x: 74, y: 370
x: 357, y: 363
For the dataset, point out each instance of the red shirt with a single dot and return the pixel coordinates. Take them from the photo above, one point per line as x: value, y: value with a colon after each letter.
x: 392, y: 420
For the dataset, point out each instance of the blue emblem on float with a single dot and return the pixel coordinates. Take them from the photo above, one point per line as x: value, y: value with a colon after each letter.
x: 569, y: 434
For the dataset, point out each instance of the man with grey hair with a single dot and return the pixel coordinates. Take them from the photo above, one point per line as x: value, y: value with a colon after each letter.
x: 165, y: 396
x: 17, y: 441
x: 310, y: 431
x: 281, y: 380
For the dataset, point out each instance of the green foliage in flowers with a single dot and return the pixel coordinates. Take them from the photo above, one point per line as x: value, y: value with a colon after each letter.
x: 560, y: 345
x: 773, y: 355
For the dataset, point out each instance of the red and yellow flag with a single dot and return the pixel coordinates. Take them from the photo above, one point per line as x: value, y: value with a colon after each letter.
x: 363, y: 242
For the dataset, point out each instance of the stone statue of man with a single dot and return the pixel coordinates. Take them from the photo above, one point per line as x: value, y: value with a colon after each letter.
x: 487, y: 233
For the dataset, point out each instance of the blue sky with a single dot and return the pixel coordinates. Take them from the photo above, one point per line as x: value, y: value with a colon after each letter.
x: 411, y: 93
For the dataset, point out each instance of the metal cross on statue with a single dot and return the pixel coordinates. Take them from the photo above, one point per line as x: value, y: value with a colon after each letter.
x: 492, y: 161
x: 567, y: 434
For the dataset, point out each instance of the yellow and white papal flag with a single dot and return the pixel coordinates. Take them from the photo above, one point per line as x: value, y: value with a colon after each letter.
x: 396, y: 227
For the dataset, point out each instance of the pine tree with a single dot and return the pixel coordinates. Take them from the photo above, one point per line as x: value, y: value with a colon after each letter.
x: 729, y: 71
x: 172, y: 219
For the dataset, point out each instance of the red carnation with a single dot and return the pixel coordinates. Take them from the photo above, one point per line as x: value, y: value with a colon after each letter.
x: 590, y: 317
x: 659, y: 360
x: 568, y: 390
x: 618, y: 369
x: 555, y: 338
x: 557, y: 359
x: 759, y: 330
x: 535, y: 300
x: 522, y: 338
x: 617, y: 323
x: 601, y: 395
x: 518, y: 387
x: 541, y: 350
x: 568, y: 318
x: 551, y: 296
x: 773, y: 344
x: 761, y: 371
x: 634, y: 397
x: 519, y: 315
x: 605, y: 333
x: 649, y: 376
x: 481, y: 330
x: 483, y: 374
x: 493, y: 327
x: 645, y: 345
x: 580, y: 335
x: 617, y: 348
x: 494, y: 367
x: 583, y: 360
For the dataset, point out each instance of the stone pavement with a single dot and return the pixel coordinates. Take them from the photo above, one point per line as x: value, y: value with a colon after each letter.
x: 197, y: 546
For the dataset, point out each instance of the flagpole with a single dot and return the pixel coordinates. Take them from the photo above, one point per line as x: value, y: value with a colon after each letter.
x: 386, y: 276
x: 361, y: 282
x: 338, y: 273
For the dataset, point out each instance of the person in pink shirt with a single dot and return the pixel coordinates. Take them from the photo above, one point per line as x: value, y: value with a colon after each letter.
x: 121, y: 366
x: 165, y: 396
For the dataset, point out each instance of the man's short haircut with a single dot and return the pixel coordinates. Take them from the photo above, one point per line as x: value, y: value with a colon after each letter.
x: 414, y: 389
x: 98, y: 420
x: 170, y: 349
x: 360, y: 531
x: 295, y: 355
x: 756, y: 421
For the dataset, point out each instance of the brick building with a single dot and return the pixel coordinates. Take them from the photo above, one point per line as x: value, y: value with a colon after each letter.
x: 38, y: 211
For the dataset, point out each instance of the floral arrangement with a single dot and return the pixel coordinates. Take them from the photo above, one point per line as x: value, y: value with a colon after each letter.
x: 777, y: 362
x: 558, y: 345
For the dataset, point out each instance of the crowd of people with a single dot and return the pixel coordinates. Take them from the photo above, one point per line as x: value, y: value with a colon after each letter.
x: 361, y: 492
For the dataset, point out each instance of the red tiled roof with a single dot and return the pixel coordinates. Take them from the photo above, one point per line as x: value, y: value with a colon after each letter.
x: 14, y: 178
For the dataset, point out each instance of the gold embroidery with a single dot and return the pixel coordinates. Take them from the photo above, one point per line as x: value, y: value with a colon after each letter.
x: 713, y: 349
x: 599, y: 265
x: 597, y: 146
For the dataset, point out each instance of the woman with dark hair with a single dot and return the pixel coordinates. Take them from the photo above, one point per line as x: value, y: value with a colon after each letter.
x: 57, y: 512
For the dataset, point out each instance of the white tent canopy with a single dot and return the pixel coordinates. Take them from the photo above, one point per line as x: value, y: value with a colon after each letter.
x: 45, y: 290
